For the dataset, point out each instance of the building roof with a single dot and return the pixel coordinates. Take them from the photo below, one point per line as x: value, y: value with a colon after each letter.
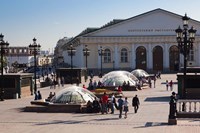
x: 88, y: 31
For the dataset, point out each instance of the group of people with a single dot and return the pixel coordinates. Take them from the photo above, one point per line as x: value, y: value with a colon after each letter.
x: 105, y: 104
x: 56, y: 81
x: 94, y: 84
x: 169, y: 85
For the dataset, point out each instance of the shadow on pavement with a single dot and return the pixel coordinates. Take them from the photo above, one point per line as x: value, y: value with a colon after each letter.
x: 157, y: 99
x: 60, y: 122
x: 105, y: 119
x: 152, y: 124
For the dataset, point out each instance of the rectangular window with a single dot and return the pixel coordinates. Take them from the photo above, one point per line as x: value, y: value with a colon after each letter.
x: 191, y: 55
x: 124, y: 57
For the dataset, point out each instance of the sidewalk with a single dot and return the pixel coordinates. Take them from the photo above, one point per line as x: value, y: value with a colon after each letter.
x: 152, y: 116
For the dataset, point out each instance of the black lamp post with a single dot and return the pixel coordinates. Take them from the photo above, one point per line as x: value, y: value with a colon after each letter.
x: 101, y: 53
x: 86, y: 53
x: 34, y: 50
x: 185, y: 39
x: 4, y: 48
x: 113, y: 65
x: 47, y: 64
x: 71, y: 52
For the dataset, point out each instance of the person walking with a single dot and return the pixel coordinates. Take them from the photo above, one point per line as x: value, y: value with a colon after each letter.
x: 154, y: 79
x: 96, y: 105
x: 171, y: 85
x: 113, y: 101
x: 126, y: 103
x: 135, y: 103
x: 149, y: 81
x: 167, y: 85
x: 104, y: 99
x: 120, y: 106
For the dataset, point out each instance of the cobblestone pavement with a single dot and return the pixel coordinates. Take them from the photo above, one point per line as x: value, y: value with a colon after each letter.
x: 152, y: 116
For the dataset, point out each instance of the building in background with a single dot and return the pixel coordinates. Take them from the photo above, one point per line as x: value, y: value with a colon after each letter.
x: 146, y: 41
x: 58, y: 52
x: 19, y: 57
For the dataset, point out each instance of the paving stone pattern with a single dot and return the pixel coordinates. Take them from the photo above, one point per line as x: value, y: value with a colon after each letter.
x: 152, y: 115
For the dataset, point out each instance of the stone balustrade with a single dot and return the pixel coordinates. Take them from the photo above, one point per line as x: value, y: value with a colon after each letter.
x: 188, y: 108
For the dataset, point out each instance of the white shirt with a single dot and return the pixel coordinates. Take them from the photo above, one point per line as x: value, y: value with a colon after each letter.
x: 126, y: 103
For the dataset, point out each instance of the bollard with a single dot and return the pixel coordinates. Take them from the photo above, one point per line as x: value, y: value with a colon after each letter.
x: 172, y: 110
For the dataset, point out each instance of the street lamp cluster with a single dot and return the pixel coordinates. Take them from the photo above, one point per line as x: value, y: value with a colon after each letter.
x: 34, y: 50
x: 4, y: 49
x: 185, y: 38
x: 71, y: 52
x: 86, y: 53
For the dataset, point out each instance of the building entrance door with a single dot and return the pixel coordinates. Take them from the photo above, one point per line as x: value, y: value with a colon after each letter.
x: 157, y: 58
x: 141, y: 62
x: 174, y: 58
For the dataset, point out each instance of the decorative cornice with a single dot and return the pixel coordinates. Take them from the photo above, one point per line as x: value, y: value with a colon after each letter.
x: 128, y: 39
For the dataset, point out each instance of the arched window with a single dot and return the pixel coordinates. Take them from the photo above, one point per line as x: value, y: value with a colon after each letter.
x: 124, y: 55
x: 107, y: 56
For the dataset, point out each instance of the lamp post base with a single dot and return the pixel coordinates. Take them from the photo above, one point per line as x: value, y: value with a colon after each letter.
x: 172, y: 121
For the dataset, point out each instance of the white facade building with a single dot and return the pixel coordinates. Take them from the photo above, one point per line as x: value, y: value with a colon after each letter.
x: 146, y: 41
x: 19, y: 55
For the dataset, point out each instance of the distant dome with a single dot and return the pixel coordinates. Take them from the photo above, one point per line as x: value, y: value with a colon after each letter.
x: 116, y: 78
x: 140, y: 73
x: 73, y: 95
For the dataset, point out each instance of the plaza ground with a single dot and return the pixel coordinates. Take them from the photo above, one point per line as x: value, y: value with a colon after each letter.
x: 152, y: 115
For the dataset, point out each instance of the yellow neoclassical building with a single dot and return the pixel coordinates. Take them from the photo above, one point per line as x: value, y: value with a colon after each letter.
x: 146, y: 41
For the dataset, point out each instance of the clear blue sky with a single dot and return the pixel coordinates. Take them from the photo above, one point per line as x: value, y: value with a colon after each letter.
x: 50, y: 20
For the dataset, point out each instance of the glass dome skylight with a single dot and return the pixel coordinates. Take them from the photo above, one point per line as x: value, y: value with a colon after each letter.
x: 140, y: 73
x: 73, y: 95
x: 116, y: 78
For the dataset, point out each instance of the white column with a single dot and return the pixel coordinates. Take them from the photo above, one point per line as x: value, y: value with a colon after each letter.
x: 116, y: 57
x: 149, y: 57
x: 133, y: 57
x: 166, y: 57
x: 82, y: 57
x: 198, y: 55
x: 181, y: 61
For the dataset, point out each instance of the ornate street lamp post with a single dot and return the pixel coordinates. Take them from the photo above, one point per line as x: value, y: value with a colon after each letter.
x: 86, y: 53
x: 4, y: 48
x: 47, y: 65
x: 34, y: 50
x: 113, y: 65
x: 185, y: 39
x: 101, y: 53
x: 71, y: 52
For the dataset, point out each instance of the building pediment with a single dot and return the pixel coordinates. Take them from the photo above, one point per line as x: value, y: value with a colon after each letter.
x: 156, y: 22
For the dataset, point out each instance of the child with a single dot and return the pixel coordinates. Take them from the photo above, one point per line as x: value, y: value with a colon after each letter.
x: 126, y: 107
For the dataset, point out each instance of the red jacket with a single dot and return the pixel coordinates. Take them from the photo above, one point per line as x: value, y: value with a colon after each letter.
x: 104, y: 99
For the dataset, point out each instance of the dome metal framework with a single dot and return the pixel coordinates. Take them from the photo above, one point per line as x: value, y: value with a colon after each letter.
x: 73, y: 95
x: 117, y: 78
x: 139, y: 73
